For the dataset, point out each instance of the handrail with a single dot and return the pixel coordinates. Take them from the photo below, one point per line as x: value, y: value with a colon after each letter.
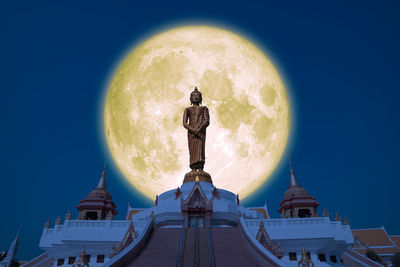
x: 183, y: 252
x: 180, y: 247
x: 134, y: 248
x: 257, y: 246
x: 38, y: 260
x: 210, y: 247
x: 196, y: 247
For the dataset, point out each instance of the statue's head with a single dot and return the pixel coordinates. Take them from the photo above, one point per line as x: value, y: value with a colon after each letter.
x: 196, y: 96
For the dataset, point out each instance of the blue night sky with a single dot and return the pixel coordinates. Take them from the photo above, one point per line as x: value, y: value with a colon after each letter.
x: 339, y: 60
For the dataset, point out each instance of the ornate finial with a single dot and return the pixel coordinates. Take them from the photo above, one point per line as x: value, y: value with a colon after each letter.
x: 83, y: 253
x: 134, y: 234
x: 58, y: 221
x: 290, y: 166
x: 278, y: 251
x: 197, y: 179
x: 346, y: 221
x: 82, y: 261
x: 47, y: 224
x: 325, y: 213
x: 178, y: 193
x: 337, y: 217
x: 305, y: 259
x: 109, y: 216
x: 215, y: 193
x: 68, y: 215
x: 18, y: 231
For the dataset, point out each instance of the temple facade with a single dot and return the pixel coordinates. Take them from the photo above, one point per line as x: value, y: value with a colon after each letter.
x: 198, y: 224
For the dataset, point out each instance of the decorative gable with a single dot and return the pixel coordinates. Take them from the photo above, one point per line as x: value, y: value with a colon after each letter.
x: 265, y: 240
x: 196, y: 200
x: 129, y: 237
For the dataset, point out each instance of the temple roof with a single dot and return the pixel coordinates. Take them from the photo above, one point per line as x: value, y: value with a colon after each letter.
x: 374, y: 237
x: 296, y: 195
x: 294, y: 190
x: 98, y: 199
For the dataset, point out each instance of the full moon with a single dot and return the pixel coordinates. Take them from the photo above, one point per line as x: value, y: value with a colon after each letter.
x: 247, y: 100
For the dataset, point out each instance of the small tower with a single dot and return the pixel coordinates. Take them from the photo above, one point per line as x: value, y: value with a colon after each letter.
x: 82, y: 260
x: 98, y: 203
x: 305, y: 259
x: 11, y: 254
x: 297, y: 203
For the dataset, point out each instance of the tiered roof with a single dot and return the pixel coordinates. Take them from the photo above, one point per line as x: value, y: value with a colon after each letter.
x: 376, y: 239
x: 296, y: 195
x: 98, y: 199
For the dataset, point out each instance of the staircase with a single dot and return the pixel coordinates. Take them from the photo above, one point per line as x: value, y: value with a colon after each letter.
x: 195, y: 248
x: 188, y: 255
x: 230, y: 249
x: 198, y: 247
x: 160, y: 250
x: 203, y: 250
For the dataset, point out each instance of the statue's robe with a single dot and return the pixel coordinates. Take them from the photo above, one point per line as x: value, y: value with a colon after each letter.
x: 198, y: 117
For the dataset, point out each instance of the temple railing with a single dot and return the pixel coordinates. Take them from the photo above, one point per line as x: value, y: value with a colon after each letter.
x: 83, y: 225
x: 303, y: 228
x: 298, y: 222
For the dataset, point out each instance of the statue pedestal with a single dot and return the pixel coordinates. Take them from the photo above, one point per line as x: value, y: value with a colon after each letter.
x: 202, y: 177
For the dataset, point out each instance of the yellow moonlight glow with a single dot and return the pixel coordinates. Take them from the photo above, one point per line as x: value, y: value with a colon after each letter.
x: 247, y: 100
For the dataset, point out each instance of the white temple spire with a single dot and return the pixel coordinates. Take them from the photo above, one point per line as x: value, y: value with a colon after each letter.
x: 12, y: 252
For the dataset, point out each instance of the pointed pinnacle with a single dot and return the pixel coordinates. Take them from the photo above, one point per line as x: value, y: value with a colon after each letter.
x: 293, y: 179
x: 19, y: 230
x: 102, y: 181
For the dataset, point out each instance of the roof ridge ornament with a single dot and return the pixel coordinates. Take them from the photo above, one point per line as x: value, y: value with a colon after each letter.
x: 272, y: 246
x: 82, y: 260
x: 305, y: 259
x: 12, y: 251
